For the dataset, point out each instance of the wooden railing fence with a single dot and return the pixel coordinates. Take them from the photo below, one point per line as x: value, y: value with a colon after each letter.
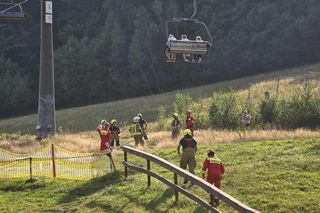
x: 177, y: 171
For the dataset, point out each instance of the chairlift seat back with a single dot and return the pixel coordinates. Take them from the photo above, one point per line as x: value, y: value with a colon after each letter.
x: 189, y: 47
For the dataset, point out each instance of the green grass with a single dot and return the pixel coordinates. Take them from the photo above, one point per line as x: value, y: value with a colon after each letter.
x: 270, y: 176
x: 86, y: 118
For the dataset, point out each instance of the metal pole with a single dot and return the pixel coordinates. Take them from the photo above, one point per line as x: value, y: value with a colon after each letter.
x: 149, y: 177
x: 46, y: 105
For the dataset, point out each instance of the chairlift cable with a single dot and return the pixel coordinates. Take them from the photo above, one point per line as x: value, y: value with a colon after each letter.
x: 194, y: 9
x: 16, y: 5
x: 9, y: 3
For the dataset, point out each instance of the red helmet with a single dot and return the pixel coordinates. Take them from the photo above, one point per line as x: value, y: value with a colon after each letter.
x: 210, y: 152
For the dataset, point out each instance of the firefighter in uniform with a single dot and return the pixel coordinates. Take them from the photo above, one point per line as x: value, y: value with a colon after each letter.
x: 115, y: 131
x: 176, y: 126
x: 136, y: 131
x: 214, y: 168
x: 190, y: 121
x: 143, y: 125
x: 189, y: 149
x: 105, y: 135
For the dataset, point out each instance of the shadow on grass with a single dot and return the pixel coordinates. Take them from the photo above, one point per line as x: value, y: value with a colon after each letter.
x: 200, y: 210
x: 20, y: 185
x: 152, y: 205
x: 93, y: 186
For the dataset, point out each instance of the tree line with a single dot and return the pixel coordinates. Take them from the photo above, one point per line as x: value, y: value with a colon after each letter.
x: 114, y: 49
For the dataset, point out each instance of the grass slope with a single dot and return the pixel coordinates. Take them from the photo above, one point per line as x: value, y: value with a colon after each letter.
x: 271, y: 176
x: 86, y: 118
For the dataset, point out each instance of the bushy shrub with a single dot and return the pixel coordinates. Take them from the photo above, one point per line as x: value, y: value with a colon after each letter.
x: 268, y: 110
x: 182, y: 103
x: 202, y: 119
x: 302, y: 110
x: 161, y: 119
x: 225, y: 110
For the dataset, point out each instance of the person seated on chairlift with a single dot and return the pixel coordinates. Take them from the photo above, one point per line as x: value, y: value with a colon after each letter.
x: 197, y: 58
x: 184, y: 38
x: 171, y: 57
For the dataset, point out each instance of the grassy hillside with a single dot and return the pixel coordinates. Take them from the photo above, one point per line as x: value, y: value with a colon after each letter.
x: 86, y: 118
x: 271, y: 176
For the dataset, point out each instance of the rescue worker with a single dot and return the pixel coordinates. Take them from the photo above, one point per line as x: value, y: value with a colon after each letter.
x: 190, y: 121
x: 136, y: 132
x: 214, y: 168
x: 143, y: 125
x: 176, y: 126
x: 246, y: 118
x: 115, y: 131
x: 105, y: 135
x: 189, y: 149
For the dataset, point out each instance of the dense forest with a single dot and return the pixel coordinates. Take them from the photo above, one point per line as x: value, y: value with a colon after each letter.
x: 114, y: 49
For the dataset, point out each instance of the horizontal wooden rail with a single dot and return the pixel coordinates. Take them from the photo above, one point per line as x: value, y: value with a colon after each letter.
x: 172, y: 185
x: 192, y: 178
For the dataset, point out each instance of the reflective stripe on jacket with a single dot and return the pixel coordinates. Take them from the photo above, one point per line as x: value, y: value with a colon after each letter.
x: 214, y: 166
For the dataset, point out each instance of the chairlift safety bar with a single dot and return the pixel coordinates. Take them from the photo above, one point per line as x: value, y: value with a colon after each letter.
x: 15, y: 5
x: 196, y: 21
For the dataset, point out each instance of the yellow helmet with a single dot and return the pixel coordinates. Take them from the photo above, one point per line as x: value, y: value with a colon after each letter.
x: 103, y: 121
x: 187, y: 132
x: 175, y: 115
x: 113, y: 121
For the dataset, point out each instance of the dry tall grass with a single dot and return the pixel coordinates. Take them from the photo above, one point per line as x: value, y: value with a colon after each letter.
x: 163, y: 140
x: 90, y: 142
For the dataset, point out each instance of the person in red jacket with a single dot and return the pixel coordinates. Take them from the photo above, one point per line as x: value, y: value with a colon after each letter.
x: 190, y: 121
x: 105, y: 136
x: 214, y: 168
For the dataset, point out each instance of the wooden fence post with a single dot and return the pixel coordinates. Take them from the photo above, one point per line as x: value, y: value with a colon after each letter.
x: 125, y: 167
x: 176, y: 193
x: 53, y: 161
x: 148, y: 168
x: 306, y: 79
x: 249, y: 92
x: 278, y: 85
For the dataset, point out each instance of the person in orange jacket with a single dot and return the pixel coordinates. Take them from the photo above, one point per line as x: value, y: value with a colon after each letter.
x: 190, y: 121
x: 105, y: 136
x: 214, y: 168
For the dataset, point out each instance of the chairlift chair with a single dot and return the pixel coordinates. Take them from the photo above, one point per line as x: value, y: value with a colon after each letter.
x: 191, y: 47
x: 13, y: 15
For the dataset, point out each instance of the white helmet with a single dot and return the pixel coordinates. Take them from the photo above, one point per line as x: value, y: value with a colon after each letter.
x: 136, y: 119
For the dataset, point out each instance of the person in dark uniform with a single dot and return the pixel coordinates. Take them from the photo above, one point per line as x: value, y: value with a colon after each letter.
x: 115, y: 132
x: 189, y: 149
